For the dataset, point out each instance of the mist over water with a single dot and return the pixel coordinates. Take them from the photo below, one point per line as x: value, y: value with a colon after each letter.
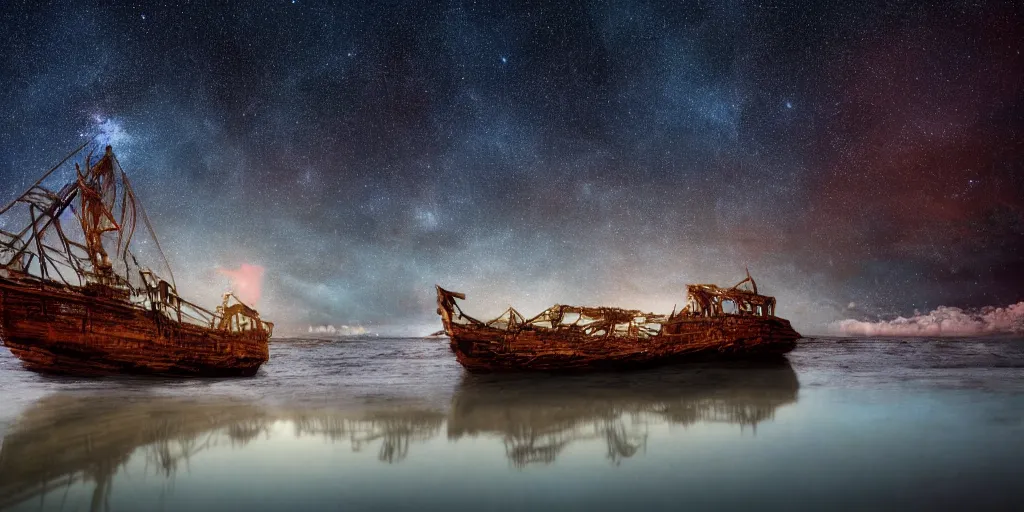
x: 396, y: 424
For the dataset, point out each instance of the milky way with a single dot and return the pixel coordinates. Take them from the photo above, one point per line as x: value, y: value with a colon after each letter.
x: 861, y: 160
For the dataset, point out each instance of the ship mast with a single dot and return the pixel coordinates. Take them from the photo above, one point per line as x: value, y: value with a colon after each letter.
x: 98, y: 193
x: 104, y: 206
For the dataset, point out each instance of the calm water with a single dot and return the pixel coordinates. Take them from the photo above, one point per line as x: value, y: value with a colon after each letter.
x: 397, y: 425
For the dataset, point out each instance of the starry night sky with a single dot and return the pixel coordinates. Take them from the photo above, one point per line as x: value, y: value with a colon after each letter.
x: 861, y: 158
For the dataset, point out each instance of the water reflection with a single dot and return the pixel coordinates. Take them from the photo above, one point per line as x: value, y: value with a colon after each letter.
x: 66, y: 439
x: 538, y: 417
x: 71, y: 440
x: 394, y: 429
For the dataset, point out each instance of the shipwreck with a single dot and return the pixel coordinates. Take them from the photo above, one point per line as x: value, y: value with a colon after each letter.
x: 74, y: 298
x: 716, y: 322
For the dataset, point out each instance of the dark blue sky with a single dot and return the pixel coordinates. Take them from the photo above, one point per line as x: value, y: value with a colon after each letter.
x: 861, y: 160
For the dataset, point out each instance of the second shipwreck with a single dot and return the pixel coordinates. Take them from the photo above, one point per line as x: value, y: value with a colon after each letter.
x: 716, y: 322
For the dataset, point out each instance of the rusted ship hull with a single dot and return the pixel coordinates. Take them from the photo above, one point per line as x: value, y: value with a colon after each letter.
x: 483, y: 350
x: 64, y: 330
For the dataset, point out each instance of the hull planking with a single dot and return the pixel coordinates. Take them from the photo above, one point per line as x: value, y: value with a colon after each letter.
x: 491, y: 350
x: 545, y: 343
x: 75, y: 299
x: 65, y: 330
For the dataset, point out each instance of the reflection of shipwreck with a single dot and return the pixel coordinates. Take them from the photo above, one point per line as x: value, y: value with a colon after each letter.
x: 85, y: 441
x: 394, y: 429
x: 538, y: 417
x: 69, y: 439
x: 733, y: 322
x: 75, y: 299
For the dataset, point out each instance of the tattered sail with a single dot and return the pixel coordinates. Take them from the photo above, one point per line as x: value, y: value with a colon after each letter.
x: 67, y: 233
x: 76, y: 299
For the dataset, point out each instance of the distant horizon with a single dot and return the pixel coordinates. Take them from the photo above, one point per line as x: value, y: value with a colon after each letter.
x: 859, y: 161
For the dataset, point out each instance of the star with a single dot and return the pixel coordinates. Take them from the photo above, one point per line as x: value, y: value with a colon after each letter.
x: 618, y: 150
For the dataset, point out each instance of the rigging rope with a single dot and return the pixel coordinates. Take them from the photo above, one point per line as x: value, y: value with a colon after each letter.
x: 48, y: 173
x: 145, y: 219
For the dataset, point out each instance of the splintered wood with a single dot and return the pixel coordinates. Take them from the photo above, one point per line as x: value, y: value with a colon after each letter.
x: 731, y: 322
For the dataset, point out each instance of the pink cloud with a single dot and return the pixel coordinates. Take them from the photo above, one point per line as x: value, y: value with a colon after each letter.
x: 246, y: 282
x: 943, y: 321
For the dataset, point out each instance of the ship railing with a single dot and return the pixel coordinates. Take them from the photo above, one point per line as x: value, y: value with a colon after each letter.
x: 598, y: 321
x: 708, y: 300
x: 239, y: 317
x: 589, y: 321
x: 236, y: 317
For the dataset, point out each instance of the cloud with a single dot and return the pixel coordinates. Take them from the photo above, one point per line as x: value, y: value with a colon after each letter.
x: 943, y: 321
x: 344, y: 330
x: 110, y: 132
x: 246, y: 282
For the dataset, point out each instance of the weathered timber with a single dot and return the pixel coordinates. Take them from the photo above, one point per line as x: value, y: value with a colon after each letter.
x: 715, y: 323
x: 74, y: 298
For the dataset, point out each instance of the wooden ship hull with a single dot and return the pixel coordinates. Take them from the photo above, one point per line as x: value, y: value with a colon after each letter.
x: 74, y: 298
x: 571, y: 338
x: 64, y: 330
x: 490, y: 350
